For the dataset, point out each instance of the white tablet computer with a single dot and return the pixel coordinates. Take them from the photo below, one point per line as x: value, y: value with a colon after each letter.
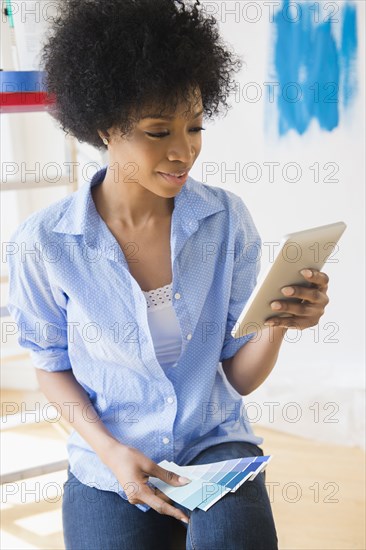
x: 309, y: 248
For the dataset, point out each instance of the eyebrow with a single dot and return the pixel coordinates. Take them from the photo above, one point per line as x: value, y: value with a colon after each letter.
x: 157, y: 116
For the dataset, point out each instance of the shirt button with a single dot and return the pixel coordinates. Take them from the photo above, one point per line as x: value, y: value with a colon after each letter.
x: 177, y: 295
x: 170, y: 400
x: 166, y: 440
x: 189, y: 336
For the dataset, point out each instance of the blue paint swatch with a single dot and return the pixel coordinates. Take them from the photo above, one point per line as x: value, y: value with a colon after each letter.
x: 193, y: 494
x: 209, y: 482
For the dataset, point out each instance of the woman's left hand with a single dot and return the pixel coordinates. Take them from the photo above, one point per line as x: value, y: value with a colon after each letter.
x: 306, y: 313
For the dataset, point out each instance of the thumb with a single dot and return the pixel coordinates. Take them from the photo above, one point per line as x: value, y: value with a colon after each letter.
x: 170, y: 477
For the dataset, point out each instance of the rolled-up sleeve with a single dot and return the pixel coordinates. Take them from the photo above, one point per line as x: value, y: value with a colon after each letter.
x: 244, y: 277
x: 41, y: 322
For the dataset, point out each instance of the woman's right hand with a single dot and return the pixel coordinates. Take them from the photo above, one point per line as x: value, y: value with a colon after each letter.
x: 132, y: 469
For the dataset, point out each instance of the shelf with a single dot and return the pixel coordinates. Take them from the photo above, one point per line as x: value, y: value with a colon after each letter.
x: 34, y: 471
x: 25, y: 102
x: 24, y: 186
x: 24, y: 92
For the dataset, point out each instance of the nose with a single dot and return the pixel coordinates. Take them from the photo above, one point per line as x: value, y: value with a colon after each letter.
x: 182, y: 148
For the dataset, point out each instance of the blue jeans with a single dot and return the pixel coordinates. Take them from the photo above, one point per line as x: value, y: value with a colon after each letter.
x: 102, y: 520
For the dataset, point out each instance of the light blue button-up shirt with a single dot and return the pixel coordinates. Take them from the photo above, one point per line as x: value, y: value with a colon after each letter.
x: 77, y: 306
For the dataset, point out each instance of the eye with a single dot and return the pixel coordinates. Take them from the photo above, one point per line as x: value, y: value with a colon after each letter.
x: 156, y: 135
x: 163, y: 134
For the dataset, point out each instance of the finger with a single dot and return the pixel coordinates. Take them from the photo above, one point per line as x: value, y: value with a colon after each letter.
x: 317, y: 277
x: 168, y: 476
x: 162, y: 507
x: 163, y: 496
x: 285, y: 322
x: 312, y: 295
x: 301, y: 314
x: 158, y: 493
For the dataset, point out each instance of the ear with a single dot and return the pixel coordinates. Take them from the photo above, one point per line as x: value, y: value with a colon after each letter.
x: 102, y: 135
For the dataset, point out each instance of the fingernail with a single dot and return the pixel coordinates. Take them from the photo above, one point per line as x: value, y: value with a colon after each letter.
x: 269, y: 323
x: 306, y: 272
x: 276, y: 305
x: 288, y: 290
x: 185, y: 520
x: 182, y: 479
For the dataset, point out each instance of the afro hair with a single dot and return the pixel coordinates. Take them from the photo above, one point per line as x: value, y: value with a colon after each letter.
x: 105, y: 61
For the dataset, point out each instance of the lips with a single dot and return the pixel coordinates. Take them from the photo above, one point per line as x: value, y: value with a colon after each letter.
x: 176, y: 174
x: 177, y: 178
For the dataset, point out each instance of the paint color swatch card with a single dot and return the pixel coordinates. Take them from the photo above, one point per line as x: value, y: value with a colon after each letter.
x: 196, y: 494
x: 210, y: 482
x: 228, y: 473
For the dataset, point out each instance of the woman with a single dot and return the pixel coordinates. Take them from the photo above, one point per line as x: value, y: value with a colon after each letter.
x: 134, y: 288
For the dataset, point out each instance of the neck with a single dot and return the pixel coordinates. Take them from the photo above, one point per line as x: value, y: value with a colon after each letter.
x: 130, y: 205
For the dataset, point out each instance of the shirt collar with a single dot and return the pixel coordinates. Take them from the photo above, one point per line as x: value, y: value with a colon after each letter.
x: 193, y: 203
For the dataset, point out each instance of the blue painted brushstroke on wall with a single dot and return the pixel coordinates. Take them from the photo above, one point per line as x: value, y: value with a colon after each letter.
x: 348, y: 53
x: 308, y: 66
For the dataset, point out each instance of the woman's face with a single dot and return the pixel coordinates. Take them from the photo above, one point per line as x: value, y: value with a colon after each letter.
x: 155, y: 146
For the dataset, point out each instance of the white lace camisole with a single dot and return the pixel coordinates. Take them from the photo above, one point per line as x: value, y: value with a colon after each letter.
x: 164, y: 325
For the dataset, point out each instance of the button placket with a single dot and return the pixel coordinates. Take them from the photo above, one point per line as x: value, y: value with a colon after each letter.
x: 186, y: 336
x: 177, y: 296
x: 170, y: 412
